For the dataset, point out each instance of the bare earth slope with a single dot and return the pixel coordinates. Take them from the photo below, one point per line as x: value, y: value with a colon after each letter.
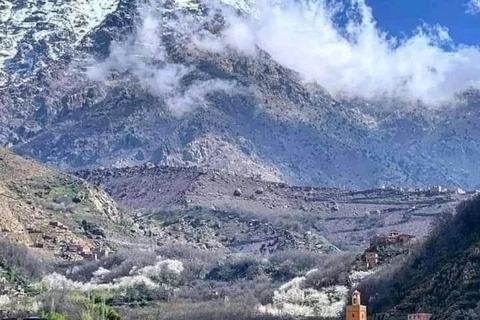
x: 346, y: 218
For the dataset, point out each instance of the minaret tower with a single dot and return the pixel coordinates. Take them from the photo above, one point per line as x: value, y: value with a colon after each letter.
x: 356, y: 311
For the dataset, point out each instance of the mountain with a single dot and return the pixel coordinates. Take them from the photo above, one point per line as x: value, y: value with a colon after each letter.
x: 121, y: 83
x: 265, y: 245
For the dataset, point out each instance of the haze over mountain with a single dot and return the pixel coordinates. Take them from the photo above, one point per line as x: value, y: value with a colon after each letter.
x: 289, y: 91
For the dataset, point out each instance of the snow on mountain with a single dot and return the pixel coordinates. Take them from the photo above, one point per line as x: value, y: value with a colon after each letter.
x: 28, y: 24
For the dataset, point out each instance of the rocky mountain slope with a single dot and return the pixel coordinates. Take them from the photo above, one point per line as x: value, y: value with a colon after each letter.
x: 346, y: 218
x: 98, y: 91
x: 442, y: 278
x: 55, y: 214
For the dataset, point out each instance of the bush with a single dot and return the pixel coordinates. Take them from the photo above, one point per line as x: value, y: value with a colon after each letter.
x: 332, y: 270
x: 197, y: 263
x: 62, y: 303
x: 140, y: 295
x: 286, y: 265
x: 18, y: 260
x: 75, y: 305
x: 119, y: 264
x: 245, y: 268
x: 52, y: 315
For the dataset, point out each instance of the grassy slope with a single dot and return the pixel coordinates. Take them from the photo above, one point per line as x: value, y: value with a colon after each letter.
x: 33, y: 196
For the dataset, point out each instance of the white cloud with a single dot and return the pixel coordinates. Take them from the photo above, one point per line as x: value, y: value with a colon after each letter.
x: 334, y: 43
x: 473, y: 7
x: 194, y: 96
x: 144, y: 56
x: 356, y: 58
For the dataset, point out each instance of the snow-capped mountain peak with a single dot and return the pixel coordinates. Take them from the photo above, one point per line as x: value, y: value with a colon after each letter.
x: 58, y: 24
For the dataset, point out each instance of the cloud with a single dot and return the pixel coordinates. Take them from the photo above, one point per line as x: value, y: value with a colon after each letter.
x: 341, y: 48
x: 473, y: 7
x: 143, y: 55
x: 194, y: 96
x: 334, y: 43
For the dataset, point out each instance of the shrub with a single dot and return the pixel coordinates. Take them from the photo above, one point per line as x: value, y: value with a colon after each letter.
x: 119, y: 264
x: 140, y: 295
x: 286, y: 265
x: 332, y: 270
x: 245, y: 268
x: 18, y: 260
x: 52, y: 315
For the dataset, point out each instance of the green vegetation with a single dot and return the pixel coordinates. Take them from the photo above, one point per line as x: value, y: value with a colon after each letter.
x: 17, y: 263
x: 52, y: 315
x: 69, y: 190
x: 95, y: 308
x: 441, y: 277
x: 75, y: 305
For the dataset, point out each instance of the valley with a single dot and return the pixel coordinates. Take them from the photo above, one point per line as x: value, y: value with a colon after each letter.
x: 193, y: 237
x: 348, y: 219
x: 235, y: 160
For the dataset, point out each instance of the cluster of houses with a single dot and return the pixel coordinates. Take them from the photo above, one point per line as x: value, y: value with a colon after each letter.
x: 433, y: 190
x: 68, y: 250
x: 72, y: 249
x: 391, y: 238
x: 357, y: 311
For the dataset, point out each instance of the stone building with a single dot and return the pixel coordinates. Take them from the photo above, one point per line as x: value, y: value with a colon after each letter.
x: 393, y: 237
x: 356, y: 311
x: 101, y: 252
x: 372, y: 259
x: 419, y: 316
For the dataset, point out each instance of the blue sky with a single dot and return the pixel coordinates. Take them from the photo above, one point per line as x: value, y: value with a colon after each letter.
x: 401, y: 17
x: 340, y: 44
